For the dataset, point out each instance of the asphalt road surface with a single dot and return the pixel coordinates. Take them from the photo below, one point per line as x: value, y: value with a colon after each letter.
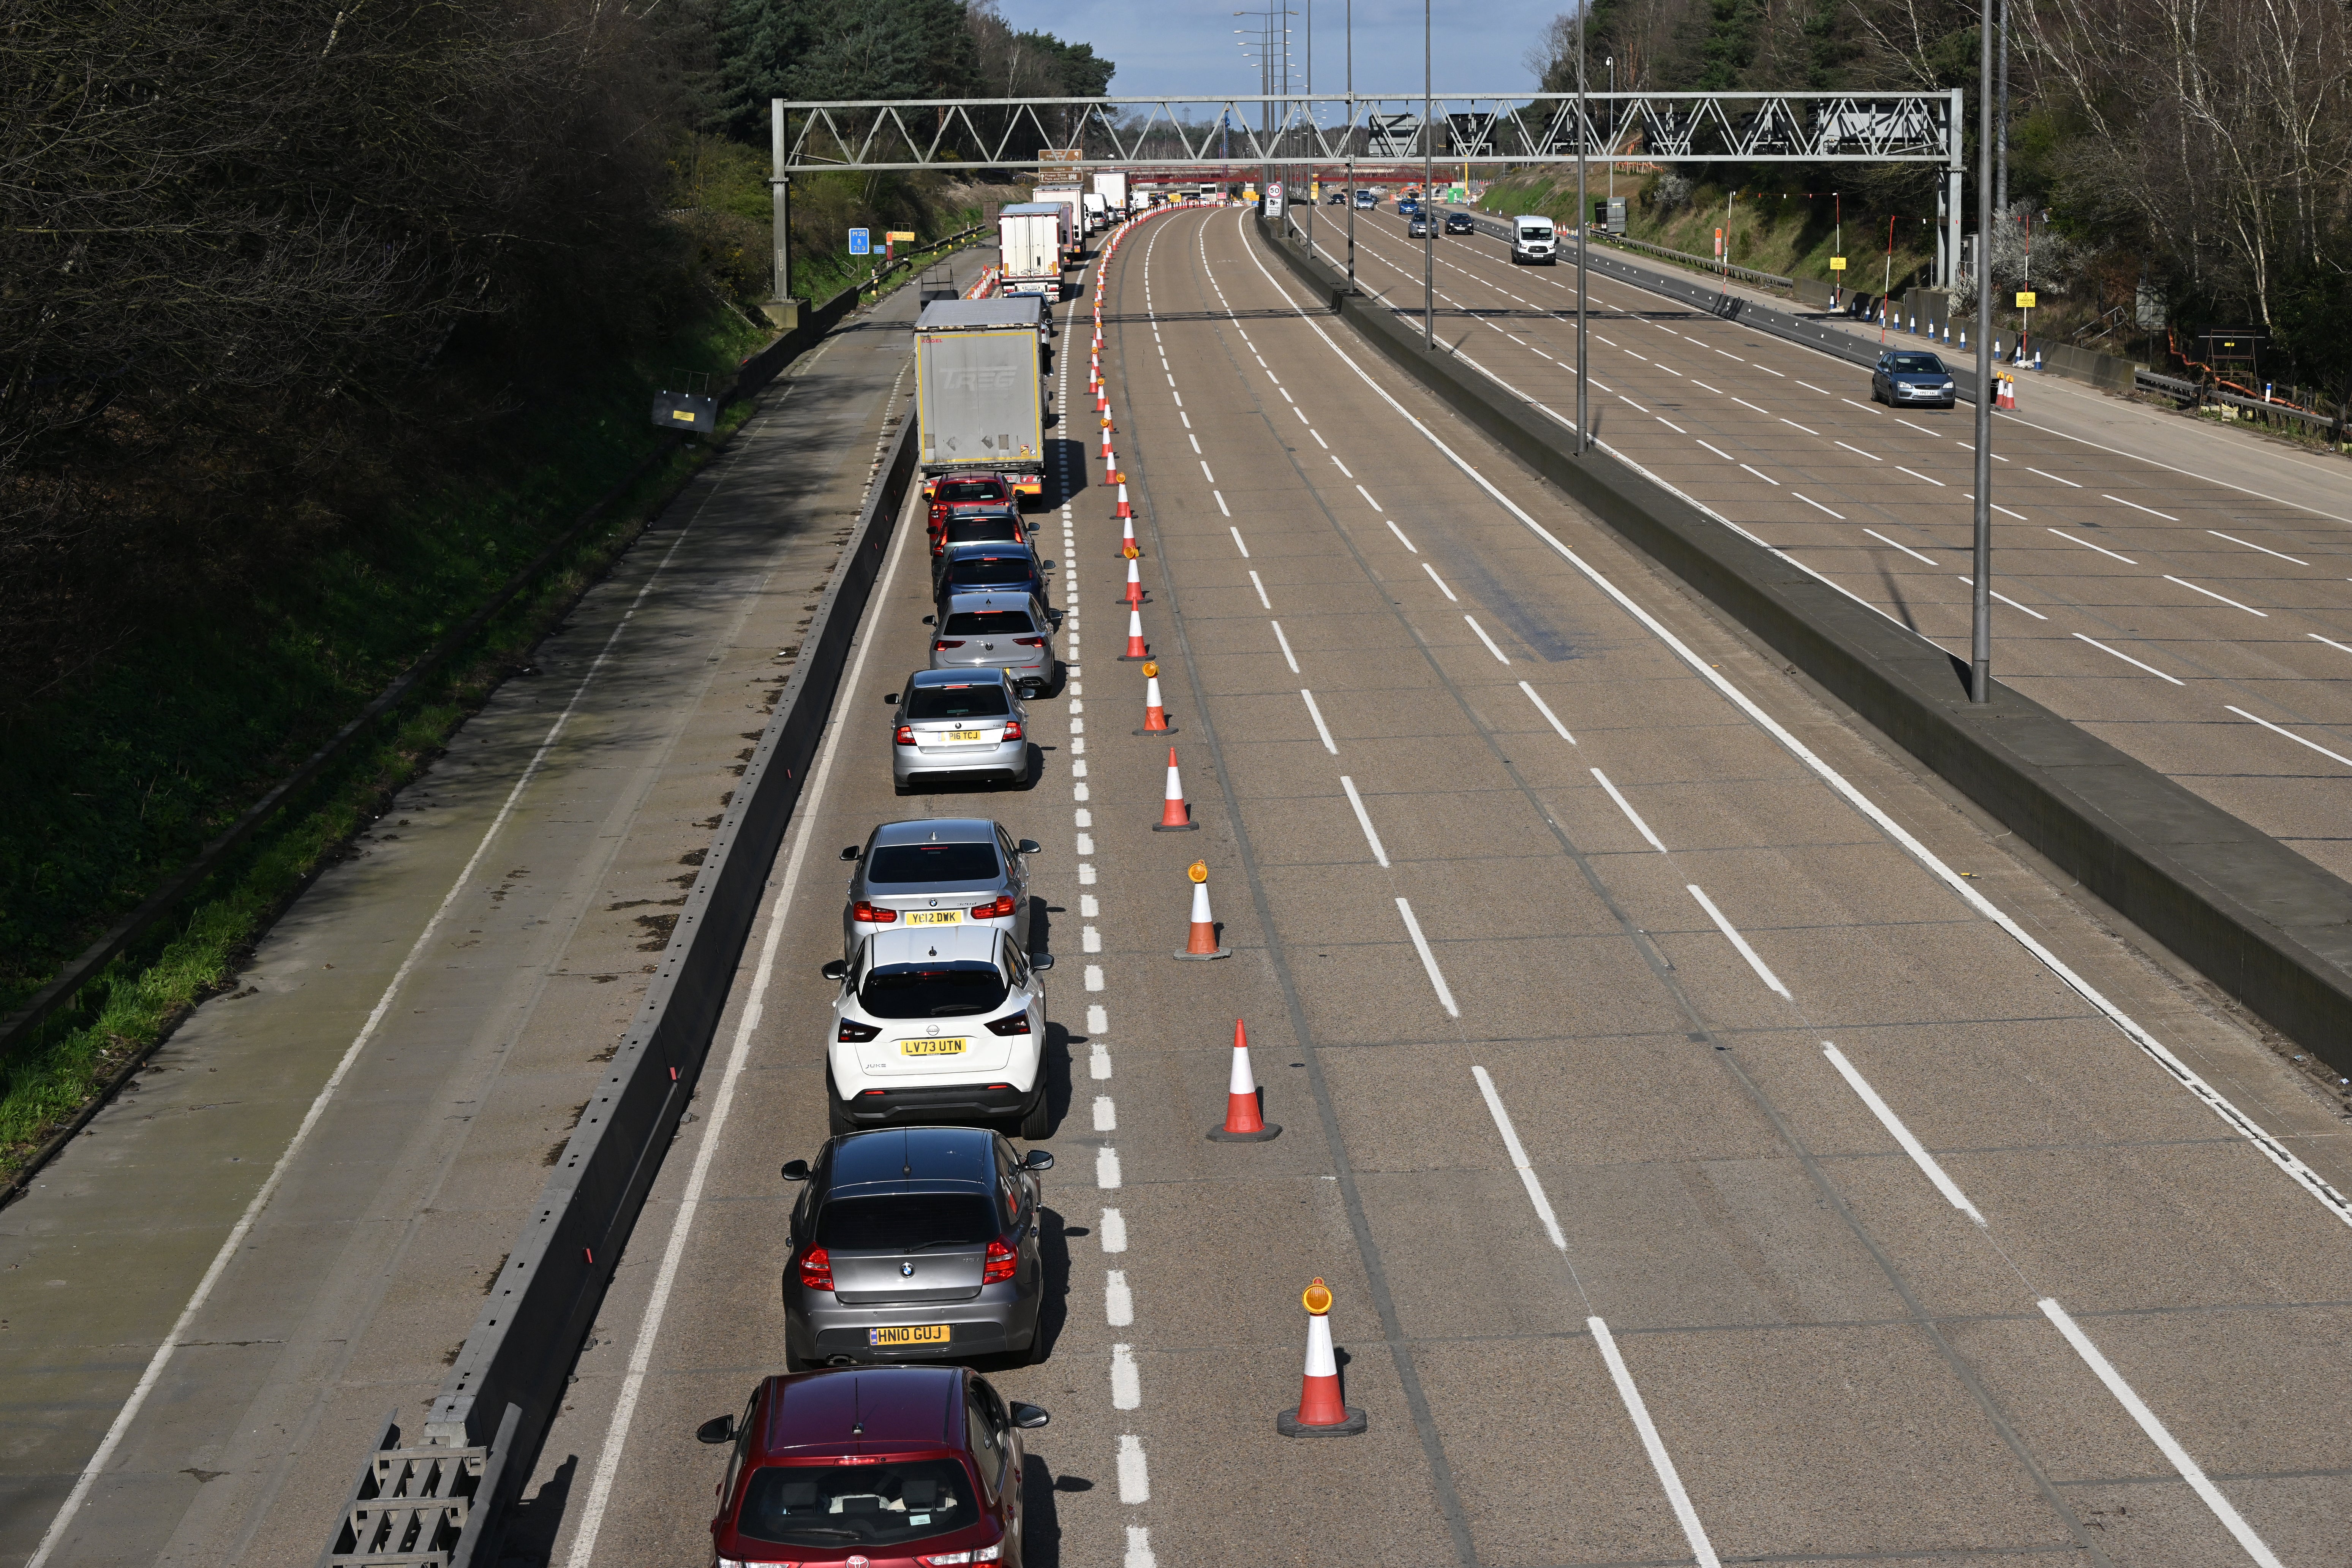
x: 2180, y: 592
x: 1721, y: 1146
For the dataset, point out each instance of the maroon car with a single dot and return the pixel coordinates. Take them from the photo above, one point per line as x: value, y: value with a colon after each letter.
x: 874, y: 1466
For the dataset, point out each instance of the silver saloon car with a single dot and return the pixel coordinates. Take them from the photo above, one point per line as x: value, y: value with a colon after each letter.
x: 951, y: 725
x: 934, y: 872
x: 1010, y: 632
x: 910, y: 1244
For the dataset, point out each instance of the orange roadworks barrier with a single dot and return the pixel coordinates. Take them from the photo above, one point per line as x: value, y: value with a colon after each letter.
x: 1133, y: 596
x: 1155, y: 716
x: 1243, y: 1123
x: 1136, y: 652
x: 1125, y: 514
x: 1202, y: 943
x: 1175, y: 817
x: 1320, y: 1413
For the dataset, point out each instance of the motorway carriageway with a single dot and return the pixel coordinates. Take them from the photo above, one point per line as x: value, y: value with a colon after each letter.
x: 2202, y: 627
x: 1718, y: 1148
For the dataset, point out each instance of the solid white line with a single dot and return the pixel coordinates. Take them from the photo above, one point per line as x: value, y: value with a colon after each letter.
x: 1903, y: 1136
x: 1439, y: 581
x: 1545, y: 709
x: 1487, y: 640
x: 1401, y: 538
x: 2211, y: 595
x: 1288, y: 658
x: 2252, y: 545
x: 1738, y: 941
x: 1519, y: 1158
x: 2100, y: 548
x: 1237, y: 539
x: 2129, y: 660
x: 1364, y: 820
x: 2293, y: 736
x: 2137, y: 507
x: 1261, y: 590
x: 2166, y: 1442
x: 1661, y: 1461
x: 1816, y: 505
x: 1905, y: 547
x: 616, y: 1430
x: 1631, y: 815
x: 1320, y: 727
x: 1428, y: 960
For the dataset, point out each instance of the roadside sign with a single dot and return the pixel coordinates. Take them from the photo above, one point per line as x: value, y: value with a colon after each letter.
x: 2025, y: 299
x: 1061, y: 154
x: 1837, y: 263
x: 861, y: 242
x: 900, y: 236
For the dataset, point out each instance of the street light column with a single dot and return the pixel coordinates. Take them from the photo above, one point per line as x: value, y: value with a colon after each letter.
x: 1980, y: 591
x: 1583, y: 223
x: 1428, y: 158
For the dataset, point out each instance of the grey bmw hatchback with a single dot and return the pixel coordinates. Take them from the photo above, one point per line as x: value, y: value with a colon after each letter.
x: 914, y: 1242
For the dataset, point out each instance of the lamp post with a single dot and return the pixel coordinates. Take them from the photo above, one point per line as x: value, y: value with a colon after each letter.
x: 1583, y: 226
x: 1980, y: 591
x: 1428, y: 159
x: 1611, y: 61
x: 1351, y: 32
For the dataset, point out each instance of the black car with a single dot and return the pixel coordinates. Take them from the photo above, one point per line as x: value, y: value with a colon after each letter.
x: 1459, y: 223
x: 1911, y: 376
x: 998, y: 568
x: 1416, y: 227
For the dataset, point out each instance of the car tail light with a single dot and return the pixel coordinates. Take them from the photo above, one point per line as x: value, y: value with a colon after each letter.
x: 1012, y: 730
x: 866, y: 914
x: 945, y: 643
x: 995, y: 1270
x: 854, y: 1032
x: 1028, y: 642
x: 817, y: 1269
x: 1017, y: 1025
x: 906, y: 736
x: 949, y: 1559
x: 995, y: 908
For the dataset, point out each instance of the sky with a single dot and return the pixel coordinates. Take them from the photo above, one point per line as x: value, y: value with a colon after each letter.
x: 1188, y: 46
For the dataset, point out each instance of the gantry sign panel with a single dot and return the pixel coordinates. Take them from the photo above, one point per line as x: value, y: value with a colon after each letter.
x: 1173, y: 133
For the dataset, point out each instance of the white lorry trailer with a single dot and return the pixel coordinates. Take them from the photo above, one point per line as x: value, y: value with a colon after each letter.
x: 1110, y: 184
x: 979, y: 388
x: 1029, y: 238
x: 1072, y: 201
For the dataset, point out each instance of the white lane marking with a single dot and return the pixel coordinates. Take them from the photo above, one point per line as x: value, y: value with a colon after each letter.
x: 1106, y: 1114
x: 1098, y: 1062
x: 1367, y: 498
x: 738, y: 1055
x: 1364, y: 820
x: 1850, y: 403
x: 1118, y: 1301
x: 1669, y: 424
x: 1905, y: 547
x: 1224, y: 508
x: 1630, y: 403
x: 1487, y: 640
x: 1808, y: 386
x: 2005, y: 599
x: 1089, y: 940
x: 1112, y: 1230
x: 1903, y: 1136
x: 2166, y: 1442
x: 2293, y: 736
x: 1665, y: 366
x: 1716, y: 390
x: 1286, y: 395
x: 1126, y: 1394
x: 1720, y: 452
x: 1768, y: 369
x: 1341, y: 466
x: 1519, y: 1158
x: 2088, y: 545
x: 1093, y: 977
x: 1731, y: 935
x: 2211, y: 595
x: 2137, y: 507
x: 1428, y: 960
x: 1237, y: 535
x: 2129, y: 660
x: 1971, y: 495
x: 2252, y: 545
x: 1106, y: 1169
x: 1204, y: 471
x: 1086, y: 880
x: 2331, y: 642
x: 1401, y: 538
x: 1661, y: 1461
x: 1728, y: 355
x: 1321, y: 729
x: 1138, y: 1548
x: 1816, y: 505
x: 1631, y: 815
x: 1097, y: 1019
x: 1921, y: 428
x: 1134, y: 1477
x: 1872, y: 455
x: 1261, y: 589
x: 1196, y: 442
x: 2276, y: 1152
x: 1439, y: 581
x: 1318, y: 438
x: 2048, y: 476
x: 1288, y: 658
x: 1917, y: 475
x: 1768, y: 413
x: 1761, y: 475
x: 1545, y: 709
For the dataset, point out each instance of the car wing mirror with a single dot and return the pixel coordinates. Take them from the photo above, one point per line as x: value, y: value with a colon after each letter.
x: 1038, y: 1160
x: 721, y: 1428
x: 795, y: 1170
x: 1028, y: 1417
x: 850, y: 852
x: 1041, y: 961
x: 1030, y: 846
x: 890, y: 699
x: 931, y: 620
x: 835, y: 969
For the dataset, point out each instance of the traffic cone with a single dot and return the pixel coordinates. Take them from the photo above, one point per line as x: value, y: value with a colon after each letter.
x: 1127, y: 545
x: 1125, y: 511
x: 1177, y: 817
x: 1244, y: 1124
x: 1320, y: 1413
x: 1135, y: 648
x: 1134, y: 595
x: 1201, y: 944
x: 1155, y: 716
x: 1105, y: 451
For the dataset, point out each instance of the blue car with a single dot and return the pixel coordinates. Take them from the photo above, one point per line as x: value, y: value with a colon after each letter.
x: 1408, y: 208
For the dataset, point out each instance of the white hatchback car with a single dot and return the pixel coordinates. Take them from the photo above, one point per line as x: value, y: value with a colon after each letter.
x: 939, y: 1026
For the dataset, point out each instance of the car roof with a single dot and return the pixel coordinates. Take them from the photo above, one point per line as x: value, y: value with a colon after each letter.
x: 964, y: 599
x: 937, y: 829
x: 893, y: 1156
x: 992, y: 549
x: 981, y: 675
x: 973, y: 944
x: 862, y: 1410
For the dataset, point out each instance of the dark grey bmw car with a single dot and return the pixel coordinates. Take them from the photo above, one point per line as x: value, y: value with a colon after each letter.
x: 916, y: 1243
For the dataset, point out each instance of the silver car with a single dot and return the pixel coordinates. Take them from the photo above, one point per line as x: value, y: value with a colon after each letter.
x: 1011, y: 632
x: 957, y: 724
x: 934, y: 872
x: 913, y: 1244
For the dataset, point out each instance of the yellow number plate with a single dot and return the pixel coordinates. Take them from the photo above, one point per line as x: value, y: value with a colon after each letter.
x: 963, y: 734
x: 930, y: 1047
x: 934, y: 917
x: 927, y: 1334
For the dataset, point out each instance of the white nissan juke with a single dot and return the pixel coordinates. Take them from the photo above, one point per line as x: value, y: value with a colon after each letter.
x: 945, y: 1025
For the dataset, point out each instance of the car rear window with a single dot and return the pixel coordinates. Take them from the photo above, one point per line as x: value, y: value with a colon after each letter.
x: 975, y: 702
x: 971, y: 489
x: 988, y: 622
x: 931, y: 991
x: 906, y: 1222
x: 855, y: 1505
x: 988, y: 570
x: 983, y: 528
x: 974, y: 862
x: 1917, y: 365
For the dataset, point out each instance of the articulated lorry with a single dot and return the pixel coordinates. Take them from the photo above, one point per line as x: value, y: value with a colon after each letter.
x: 1110, y: 184
x: 979, y: 388
x: 1030, y: 238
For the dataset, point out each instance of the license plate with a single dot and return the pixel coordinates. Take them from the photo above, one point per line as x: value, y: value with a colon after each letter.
x: 930, y: 1047
x: 926, y: 1334
x: 934, y: 917
x: 966, y: 734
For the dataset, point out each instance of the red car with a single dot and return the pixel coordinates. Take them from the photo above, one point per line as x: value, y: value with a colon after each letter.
x: 872, y: 1467
x: 961, y: 492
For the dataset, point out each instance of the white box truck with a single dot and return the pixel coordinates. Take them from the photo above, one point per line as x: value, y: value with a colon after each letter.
x: 1110, y: 184
x: 1072, y: 201
x: 1029, y: 240
x: 979, y: 388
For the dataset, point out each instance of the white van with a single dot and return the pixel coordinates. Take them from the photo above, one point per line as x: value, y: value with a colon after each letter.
x: 1533, y: 241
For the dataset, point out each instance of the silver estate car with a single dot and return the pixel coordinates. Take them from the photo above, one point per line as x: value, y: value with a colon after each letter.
x: 1010, y: 632
x: 912, y: 1244
x: 936, y: 871
x: 958, y: 724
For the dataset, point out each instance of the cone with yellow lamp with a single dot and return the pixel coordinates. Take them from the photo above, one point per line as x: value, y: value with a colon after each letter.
x: 1155, y: 716
x: 1320, y: 1413
x: 1201, y: 944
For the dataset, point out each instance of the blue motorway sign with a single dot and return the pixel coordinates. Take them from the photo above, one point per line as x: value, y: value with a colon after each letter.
x: 861, y: 242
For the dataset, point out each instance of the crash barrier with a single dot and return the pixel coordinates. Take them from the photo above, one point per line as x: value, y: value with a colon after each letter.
x: 2102, y: 370
x: 2268, y: 926
x: 510, y: 1376
x: 931, y: 252
x: 763, y: 367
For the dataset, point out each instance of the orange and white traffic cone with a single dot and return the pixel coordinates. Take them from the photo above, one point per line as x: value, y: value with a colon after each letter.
x: 1202, y: 943
x: 1105, y: 451
x: 1320, y: 1413
x: 1136, y: 652
x: 1155, y: 716
x: 1126, y: 513
x: 1175, y: 817
x: 1243, y: 1124
x: 1134, y: 593
x: 1127, y: 545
